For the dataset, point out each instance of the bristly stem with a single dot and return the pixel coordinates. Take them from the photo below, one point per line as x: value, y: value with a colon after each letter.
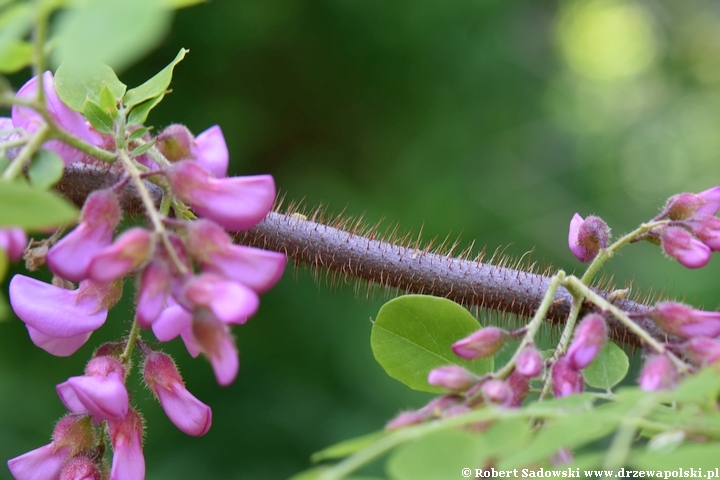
x: 408, y: 269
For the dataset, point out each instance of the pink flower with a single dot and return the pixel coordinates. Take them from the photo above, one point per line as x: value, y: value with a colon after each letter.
x: 677, y: 319
x: 519, y: 386
x: 100, y: 392
x: 566, y: 379
x: 65, y: 315
x: 171, y: 322
x: 230, y: 301
x: 128, y: 251
x: 497, y: 392
x: 70, y: 258
x: 80, y: 468
x: 13, y: 240
x: 66, y: 118
x: 405, y: 419
x: 703, y: 351
x: 214, y: 250
x: 236, y: 203
x: 60, y: 347
x: 486, y: 342
x: 707, y: 229
x: 128, y: 462
x: 211, y: 152
x: 589, y: 338
x: 683, y: 247
x: 153, y: 293
x: 452, y: 377
x: 658, y: 374
x: 188, y: 413
x: 214, y: 338
x: 711, y: 196
x: 529, y: 362
x: 586, y: 237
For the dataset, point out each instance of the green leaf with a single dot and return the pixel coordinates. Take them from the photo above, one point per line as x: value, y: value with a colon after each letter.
x: 347, y: 447
x: 440, y: 455
x: 45, y: 170
x: 154, y: 87
x: 695, y: 455
x: 32, y: 209
x: 608, y: 368
x: 114, y: 32
x: 138, y: 133
x: 413, y: 335
x: 108, y: 102
x: 504, y: 438
x: 15, y: 55
x: 98, y: 117
x: 76, y: 82
x: 181, y: 3
x: 580, y: 402
x: 140, y: 112
x: 5, y: 310
x: 142, y: 148
x: 4, y: 266
x: 702, y: 388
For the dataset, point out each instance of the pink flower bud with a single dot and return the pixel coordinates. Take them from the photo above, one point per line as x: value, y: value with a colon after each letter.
x: 712, y: 201
x: 210, y: 152
x: 703, y: 351
x: 658, y: 374
x: 236, y: 203
x: 452, y: 377
x: 436, y: 406
x: 214, y: 338
x: 486, y: 342
x: 519, y: 386
x: 707, y: 229
x: 175, y: 143
x: 214, y: 250
x: 58, y: 313
x: 70, y: 258
x: 80, y: 468
x: 100, y: 392
x: 129, y: 251
x: 71, y: 121
x: 126, y: 434
x: 590, y: 335
x: 230, y: 301
x: 153, y: 293
x: 171, y: 322
x: 497, y: 392
x: 677, y: 319
x: 586, y: 237
x: 529, y: 362
x: 566, y: 379
x: 682, y: 206
x: 13, y: 241
x: 405, y: 419
x: 679, y: 244
x: 188, y: 413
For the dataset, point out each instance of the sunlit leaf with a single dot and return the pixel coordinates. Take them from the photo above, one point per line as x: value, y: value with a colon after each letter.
x: 45, y: 170
x: 98, y: 118
x: 154, y: 87
x: 30, y: 208
x: 413, y: 334
x: 76, y: 82
x: 142, y: 148
x: 439, y: 455
x: 108, y: 102
x: 608, y: 368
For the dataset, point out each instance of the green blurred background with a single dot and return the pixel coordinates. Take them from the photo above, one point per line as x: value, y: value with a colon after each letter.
x: 489, y: 120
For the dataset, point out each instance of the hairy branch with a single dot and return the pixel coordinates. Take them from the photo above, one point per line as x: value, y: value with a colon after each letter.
x: 469, y: 282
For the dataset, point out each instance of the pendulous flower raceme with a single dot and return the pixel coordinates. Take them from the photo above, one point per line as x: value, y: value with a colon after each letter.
x: 192, y: 281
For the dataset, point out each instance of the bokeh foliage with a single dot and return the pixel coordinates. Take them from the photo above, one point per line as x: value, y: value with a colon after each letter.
x: 494, y: 121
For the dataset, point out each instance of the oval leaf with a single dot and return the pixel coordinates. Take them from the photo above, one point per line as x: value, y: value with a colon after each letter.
x: 77, y: 82
x: 32, y: 209
x: 46, y: 169
x: 609, y: 367
x: 154, y: 87
x: 98, y: 118
x: 413, y: 335
x: 439, y: 455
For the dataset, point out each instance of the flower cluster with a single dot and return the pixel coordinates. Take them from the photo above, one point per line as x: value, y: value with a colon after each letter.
x: 193, y: 282
x: 589, y: 337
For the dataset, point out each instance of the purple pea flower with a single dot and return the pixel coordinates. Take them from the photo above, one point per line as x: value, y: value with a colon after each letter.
x: 703, y: 351
x: 589, y: 338
x: 70, y: 258
x: 100, y: 392
x: 68, y: 316
x: 452, y: 377
x: 153, y: 293
x: 13, y: 240
x: 236, y: 203
x: 681, y: 245
x: 658, y: 374
x: 129, y: 251
x: 69, y: 120
x: 566, y: 379
x: 126, y: 434
x: 587, y: 236
x: 214, y: 339
x: 497, y: 392
x: 529, y: 362
x: 230, y: 301
x: 188, y: 413
x: 486, y: 342
x: 211, y: 152
x: 678, y: 319
x: 80, y: 468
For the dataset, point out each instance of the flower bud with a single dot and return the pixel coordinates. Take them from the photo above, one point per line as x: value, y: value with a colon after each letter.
x: 175, y: 143
x: 566, y: 379
x: 519, y: 386
x: 658, y: 374
x: 677, y: 319
x: 126, y: 434
x: 452, y: 377
x: 13, y: 241
x: 405, y: 419
x: 80, y: 468
x: 589, y: 338
x: 529, y: 362
x: 486, y: 342
x: 586, y: 237
x: 682, y: 206
x: 703, y: 351
x: 707, y: 229
x: 436, y: 406
x: 497, y: 392
x: 679, y: 244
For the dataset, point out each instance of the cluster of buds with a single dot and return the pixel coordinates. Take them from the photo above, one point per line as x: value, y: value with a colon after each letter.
x: 193, y: 282
x: 588, y: 339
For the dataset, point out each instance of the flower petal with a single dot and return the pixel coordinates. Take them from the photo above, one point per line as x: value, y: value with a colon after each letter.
x: 185, y: 411
x: 60, y: 347
x: 211, y: 151
x: 43, y: 463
